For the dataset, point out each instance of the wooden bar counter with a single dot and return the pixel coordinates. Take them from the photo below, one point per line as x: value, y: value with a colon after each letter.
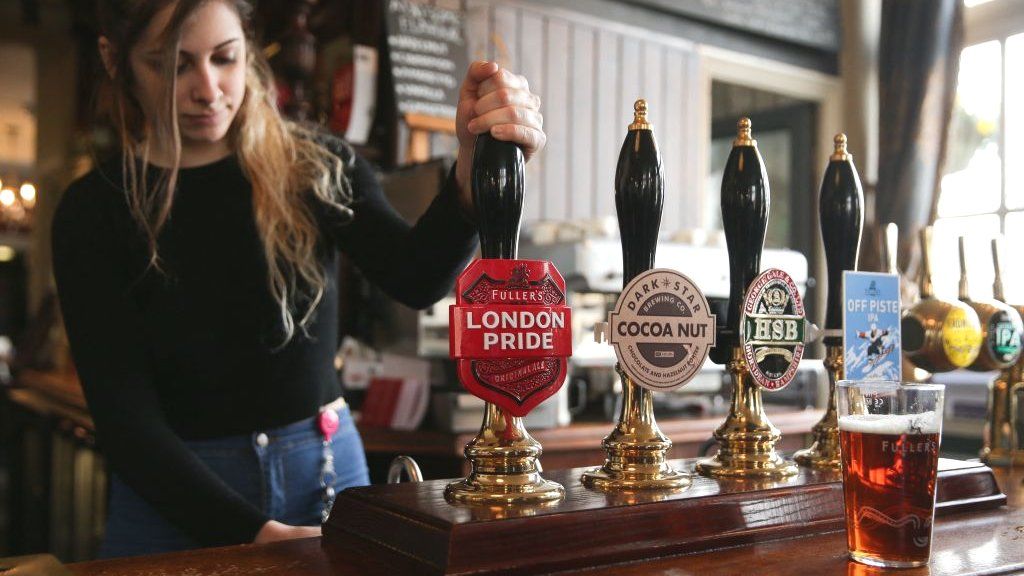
x: 988, y: 541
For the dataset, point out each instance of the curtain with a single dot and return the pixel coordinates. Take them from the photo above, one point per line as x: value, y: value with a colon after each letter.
x: 919, y: 59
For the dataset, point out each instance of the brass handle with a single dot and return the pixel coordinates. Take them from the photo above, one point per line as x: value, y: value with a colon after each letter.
x: 940, y: 335
x: 890, y: 247
x: 965, y: 291
x: 404, y: 464
x: 1012, y: 417
x: 925, y: 286
x: 997, y: 280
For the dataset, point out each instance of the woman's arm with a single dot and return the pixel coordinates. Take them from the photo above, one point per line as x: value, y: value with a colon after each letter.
x: 416, y: 265
x: 108, y: 345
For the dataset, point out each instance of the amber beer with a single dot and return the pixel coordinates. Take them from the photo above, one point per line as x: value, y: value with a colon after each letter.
x: 889, y: 466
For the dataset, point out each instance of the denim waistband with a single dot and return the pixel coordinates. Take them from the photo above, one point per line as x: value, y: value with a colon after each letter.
x: 305, y: 428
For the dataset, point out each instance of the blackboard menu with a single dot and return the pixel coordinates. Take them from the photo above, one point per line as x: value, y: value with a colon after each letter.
x: 428, y: 56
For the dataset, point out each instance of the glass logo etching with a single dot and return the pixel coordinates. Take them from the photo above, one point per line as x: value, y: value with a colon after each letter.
x: 662, y: 329
x: 511, y: 332
x: 772, y: 329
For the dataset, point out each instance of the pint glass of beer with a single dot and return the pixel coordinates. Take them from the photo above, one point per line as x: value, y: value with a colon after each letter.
x: 889, y: 437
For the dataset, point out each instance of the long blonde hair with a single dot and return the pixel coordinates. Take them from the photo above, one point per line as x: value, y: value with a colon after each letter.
x: 285, y: 162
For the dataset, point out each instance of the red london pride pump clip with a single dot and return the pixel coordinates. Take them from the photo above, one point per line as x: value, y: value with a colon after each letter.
x: 510, y: 332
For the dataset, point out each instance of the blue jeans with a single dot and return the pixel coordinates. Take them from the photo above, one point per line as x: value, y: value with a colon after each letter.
x: 281, y: 478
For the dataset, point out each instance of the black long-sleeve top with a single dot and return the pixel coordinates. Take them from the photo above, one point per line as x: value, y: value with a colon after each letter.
x: 188, y: 351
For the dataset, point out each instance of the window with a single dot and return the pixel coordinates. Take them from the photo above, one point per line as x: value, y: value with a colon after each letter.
x: 982, y: 190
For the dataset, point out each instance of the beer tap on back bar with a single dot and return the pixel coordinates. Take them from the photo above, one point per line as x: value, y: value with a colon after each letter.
x: 842, y: 222
x: 889, y: 244
x: 746, y: 439
x: 938, y: 335
x: 1001, y: 325
x: 1003, y: 438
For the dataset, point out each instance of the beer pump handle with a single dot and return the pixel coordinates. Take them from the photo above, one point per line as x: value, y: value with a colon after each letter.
x: 925, y: 289
x: 890, y: 248
x: 639, y: 195
x: 745, y: 204
x: 841, y: 209
x: 498, y: 188
x: 997, y: 280
x: 965, y: 291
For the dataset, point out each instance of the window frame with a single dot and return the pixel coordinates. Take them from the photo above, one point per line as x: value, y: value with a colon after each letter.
x: 995, y: 20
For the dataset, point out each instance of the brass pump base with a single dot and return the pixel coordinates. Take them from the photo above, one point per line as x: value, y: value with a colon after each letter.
x: 746, y: 439
x: 637, y: 450
x: 506, y: 469
x: 1002, y: 447
x: 823, y: 453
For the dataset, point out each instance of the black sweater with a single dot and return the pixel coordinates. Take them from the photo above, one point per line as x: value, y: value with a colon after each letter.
x: 188, y: 353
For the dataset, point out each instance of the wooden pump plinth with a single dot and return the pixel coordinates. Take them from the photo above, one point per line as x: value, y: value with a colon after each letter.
x: 592, y: 528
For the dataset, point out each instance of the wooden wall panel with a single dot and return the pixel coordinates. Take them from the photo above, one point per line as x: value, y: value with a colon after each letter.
x: 608, y: 126
x: 581, y: 193
x: 630, y: 77
x: 530, y: 53
x: 505, y: 37
x: 478, y: 29
x: 670, y: 129
x: 693, y: 130
x: 556, y: 113
x: 652, y: 59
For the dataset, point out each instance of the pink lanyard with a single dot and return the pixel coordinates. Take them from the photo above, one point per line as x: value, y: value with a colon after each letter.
x: 327, y: 423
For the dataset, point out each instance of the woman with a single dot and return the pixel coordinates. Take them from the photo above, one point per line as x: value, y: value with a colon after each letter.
x: 196, y: 278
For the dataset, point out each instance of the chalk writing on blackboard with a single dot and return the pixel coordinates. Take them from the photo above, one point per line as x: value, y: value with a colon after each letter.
x: 428, y: 56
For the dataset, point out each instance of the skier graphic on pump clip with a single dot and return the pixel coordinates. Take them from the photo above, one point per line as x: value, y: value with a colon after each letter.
x: 878, y: 347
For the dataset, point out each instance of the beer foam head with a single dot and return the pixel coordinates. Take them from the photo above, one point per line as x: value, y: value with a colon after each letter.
x: 923, y: 423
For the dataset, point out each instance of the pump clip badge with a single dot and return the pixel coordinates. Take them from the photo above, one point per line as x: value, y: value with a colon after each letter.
x: 661, y: 328
x: 772, y: 329
x: 511, y: 332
